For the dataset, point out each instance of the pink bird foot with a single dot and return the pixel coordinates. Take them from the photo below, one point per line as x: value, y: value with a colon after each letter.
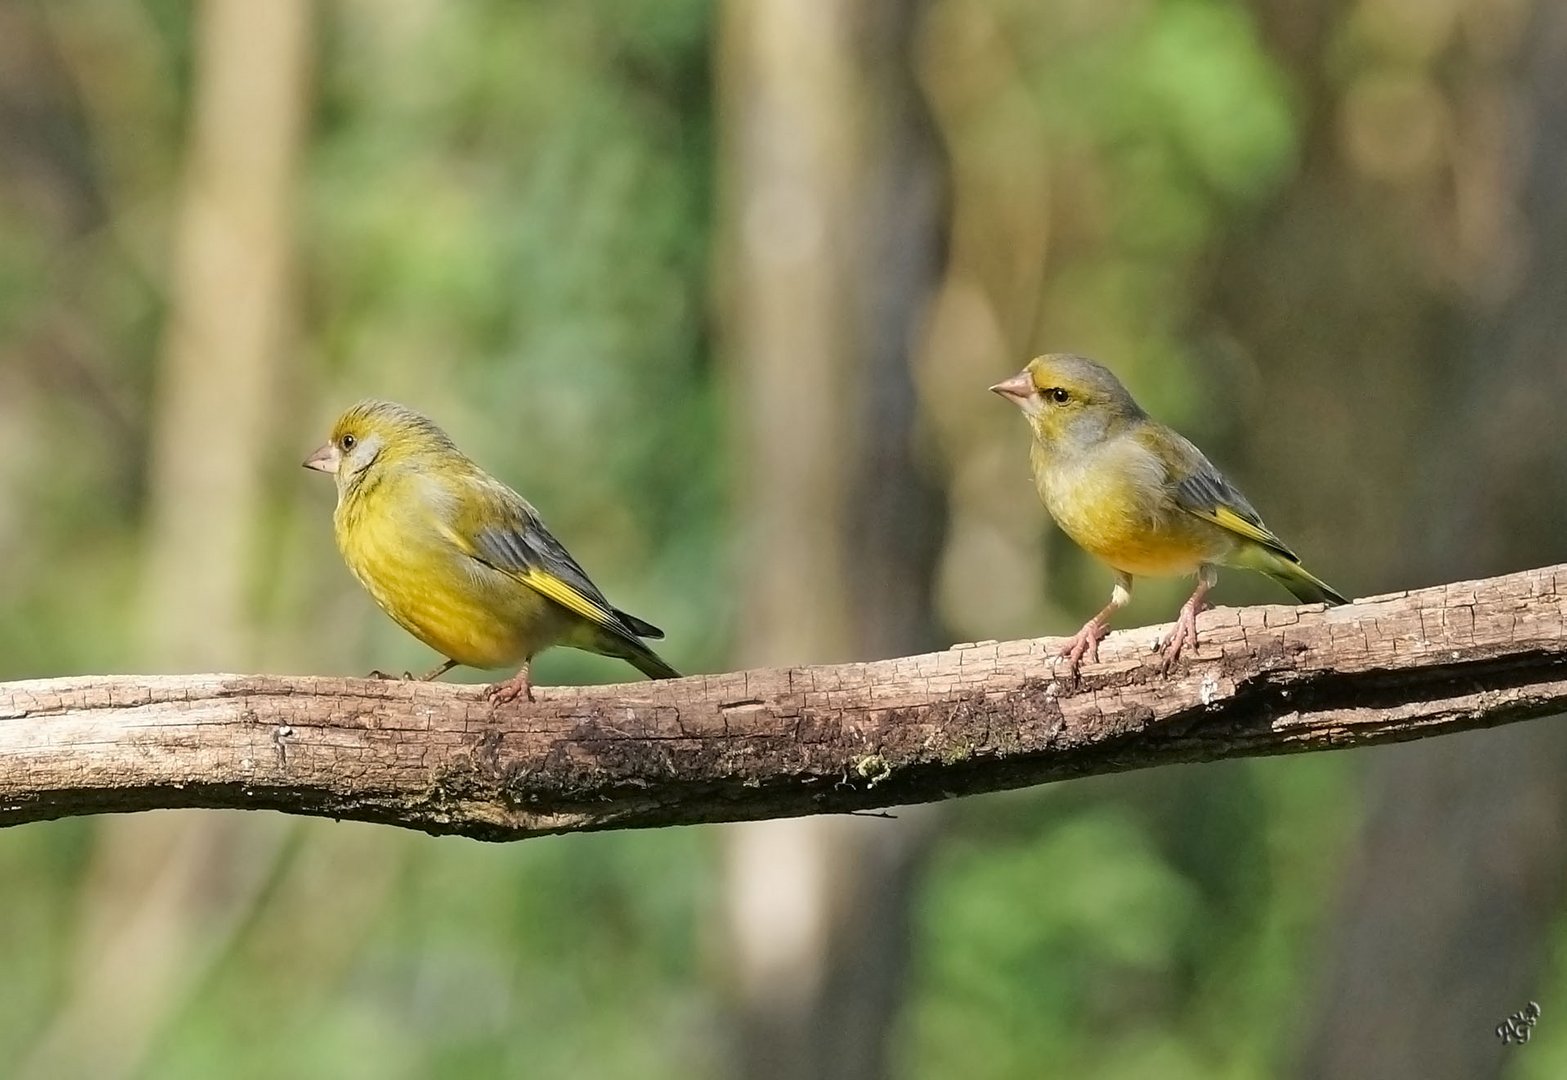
x: 1184, y: 632
x: 1084, y: 645
x: 518, y: 686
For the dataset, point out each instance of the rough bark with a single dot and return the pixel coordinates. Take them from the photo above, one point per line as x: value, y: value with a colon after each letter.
x: 792, y: 741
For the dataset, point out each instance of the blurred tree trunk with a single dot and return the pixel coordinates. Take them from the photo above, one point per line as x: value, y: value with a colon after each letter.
x: 227, y: 332
x: 834, y: 215
x: 1446, y: 917
x: 164, y: 894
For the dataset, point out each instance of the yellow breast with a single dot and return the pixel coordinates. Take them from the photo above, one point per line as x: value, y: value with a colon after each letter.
x: 458, y: 607
x: 1113, y: 504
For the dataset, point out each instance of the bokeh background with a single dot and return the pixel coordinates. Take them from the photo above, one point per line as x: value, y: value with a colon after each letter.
x: 720, y: 286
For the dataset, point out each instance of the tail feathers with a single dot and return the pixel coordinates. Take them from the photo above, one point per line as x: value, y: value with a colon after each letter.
x: 639, y: 655
x: 621, y: 642
x: 646, y: 661
x: 639, y: 627
x: 1303, y: 584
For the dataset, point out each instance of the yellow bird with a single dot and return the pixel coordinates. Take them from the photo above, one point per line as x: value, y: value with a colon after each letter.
x: 460, y: 560
x: 1139, y: 497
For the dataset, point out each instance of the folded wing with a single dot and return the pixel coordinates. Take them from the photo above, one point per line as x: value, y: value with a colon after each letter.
x: 508, y: 536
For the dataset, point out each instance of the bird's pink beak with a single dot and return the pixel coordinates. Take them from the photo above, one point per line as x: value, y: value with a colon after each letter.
x: 1019, y: 388
x: 323, y: 460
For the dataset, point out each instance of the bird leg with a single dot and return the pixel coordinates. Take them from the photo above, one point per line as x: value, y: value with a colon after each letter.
x: 1085, y: 643
x: 436, y: 673
x: 408, y: 676
x: 518, y: 686
x: 1184, y: 632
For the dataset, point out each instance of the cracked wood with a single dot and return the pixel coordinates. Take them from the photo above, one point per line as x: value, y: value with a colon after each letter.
x: 789, y: 741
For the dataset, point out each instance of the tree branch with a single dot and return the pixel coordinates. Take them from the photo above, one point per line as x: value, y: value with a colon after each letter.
x: 778, y: 743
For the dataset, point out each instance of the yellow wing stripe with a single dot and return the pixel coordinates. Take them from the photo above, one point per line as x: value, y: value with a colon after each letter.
x: 1226, y: 518
x: 542, y: 582
x: 564, y: 595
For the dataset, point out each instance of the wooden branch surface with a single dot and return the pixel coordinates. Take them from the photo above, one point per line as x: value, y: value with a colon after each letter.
x: 791, y: 741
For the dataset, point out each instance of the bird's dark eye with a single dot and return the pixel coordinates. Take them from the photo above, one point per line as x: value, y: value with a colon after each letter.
x: 1058, y: 395
x: 347, y: 442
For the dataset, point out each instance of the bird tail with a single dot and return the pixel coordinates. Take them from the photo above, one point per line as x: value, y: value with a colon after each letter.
x: 622, y: 639
x: 645, y: 660
x: 639, y: 627
x: 623, y: 644
x: 638, y: 655
x: 1302, y: 583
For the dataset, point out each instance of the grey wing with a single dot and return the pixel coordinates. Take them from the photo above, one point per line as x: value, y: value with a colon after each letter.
x: 523, y: 546
x: 1206, y: 493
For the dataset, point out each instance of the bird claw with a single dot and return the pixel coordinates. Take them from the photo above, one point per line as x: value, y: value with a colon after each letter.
x: 518, y: 686
x: 437, y: 671
x: 1182, y: 634
x: 384, y: 677
x: 1083, y: 645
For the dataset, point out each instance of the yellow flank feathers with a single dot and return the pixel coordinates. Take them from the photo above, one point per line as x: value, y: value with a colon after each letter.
x: 458, y: 559
x: 1101, y: 503
x: 426, y: 592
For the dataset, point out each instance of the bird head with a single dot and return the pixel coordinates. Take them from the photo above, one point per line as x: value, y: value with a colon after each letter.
x: 1070, y: 401
x: 372, y: 435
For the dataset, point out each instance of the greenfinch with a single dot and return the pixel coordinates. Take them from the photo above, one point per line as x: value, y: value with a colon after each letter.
x: 460, y: 560
x: 1139, y: 497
